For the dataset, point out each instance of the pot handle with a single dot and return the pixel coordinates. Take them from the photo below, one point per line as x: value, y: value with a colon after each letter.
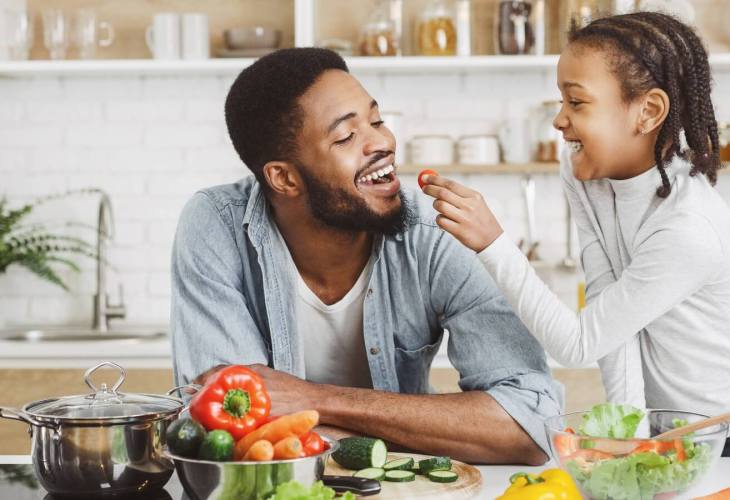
x: 20, y: 415
x: 194, y: 387
x: 117, y: 384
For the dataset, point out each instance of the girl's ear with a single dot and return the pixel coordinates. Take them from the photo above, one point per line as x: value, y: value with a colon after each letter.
x: 283, y: 178
x: 654, y: 110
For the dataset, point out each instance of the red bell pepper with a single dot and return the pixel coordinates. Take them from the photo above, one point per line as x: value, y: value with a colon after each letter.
x: 234, y: 400
x: 313, y: 443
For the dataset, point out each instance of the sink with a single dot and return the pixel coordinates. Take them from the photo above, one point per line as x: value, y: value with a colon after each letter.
x: 81, y: 334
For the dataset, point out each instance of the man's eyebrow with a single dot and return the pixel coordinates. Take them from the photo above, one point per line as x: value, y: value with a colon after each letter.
x: 348, y: 116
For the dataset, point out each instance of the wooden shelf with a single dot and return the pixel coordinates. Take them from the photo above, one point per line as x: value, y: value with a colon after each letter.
x: 536, y: 168
x: 231, y: 67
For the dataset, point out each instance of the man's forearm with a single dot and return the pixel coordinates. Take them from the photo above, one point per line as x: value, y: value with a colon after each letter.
x: 468, y: 426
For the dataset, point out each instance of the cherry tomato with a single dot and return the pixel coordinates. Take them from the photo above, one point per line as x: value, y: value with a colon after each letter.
x: 313, y: 443
x: 428, y: 171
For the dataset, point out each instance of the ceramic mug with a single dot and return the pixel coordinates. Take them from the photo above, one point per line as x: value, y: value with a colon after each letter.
x: 163, y: 36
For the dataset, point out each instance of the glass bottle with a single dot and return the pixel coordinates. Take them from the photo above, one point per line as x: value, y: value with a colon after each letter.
x: 513, y: 27
x: 436, y: 33
x: 379, y: 36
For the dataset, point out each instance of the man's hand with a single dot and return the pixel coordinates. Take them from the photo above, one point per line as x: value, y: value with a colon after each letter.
x: 203, y: 377
x: 462, y: 212
x: 289, y: 394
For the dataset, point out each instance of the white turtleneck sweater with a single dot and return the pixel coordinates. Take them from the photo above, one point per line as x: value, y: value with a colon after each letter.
x: 658, y: 290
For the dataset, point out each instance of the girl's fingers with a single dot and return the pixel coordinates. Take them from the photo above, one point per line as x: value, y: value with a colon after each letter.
x: 453, y: 186
x: 447, y: 209
x: 444, y: 194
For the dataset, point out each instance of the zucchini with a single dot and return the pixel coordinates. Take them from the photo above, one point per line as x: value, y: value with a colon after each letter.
x: 435, y: 463
x: 358, y: 453
x: 217, y: 446
x: 443, y: 476
x: 399, y: 464
x: 400, y: 476
x: 371, y: 473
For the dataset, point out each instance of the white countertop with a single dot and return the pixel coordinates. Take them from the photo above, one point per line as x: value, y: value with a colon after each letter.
x: 495, y: 478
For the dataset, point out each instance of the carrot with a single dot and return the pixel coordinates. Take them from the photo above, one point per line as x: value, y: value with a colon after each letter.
x: 720, y: 495
x: 260, y: 451
x: 296, y: 424
x: 289, y: 447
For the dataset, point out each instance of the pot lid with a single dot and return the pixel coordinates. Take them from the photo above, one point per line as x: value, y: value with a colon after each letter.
x: 105, y: 402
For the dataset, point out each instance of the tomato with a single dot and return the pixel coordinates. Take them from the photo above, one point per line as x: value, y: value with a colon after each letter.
x: 659, y: 447
x: 313, y: 443
x: 428, y: 171
x: 565, y: 445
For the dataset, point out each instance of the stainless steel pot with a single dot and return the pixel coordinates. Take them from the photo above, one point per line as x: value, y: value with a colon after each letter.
x: 105, y: 442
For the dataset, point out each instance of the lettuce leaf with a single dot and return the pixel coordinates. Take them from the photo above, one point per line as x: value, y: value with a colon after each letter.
x: 611, y: 421
x: 294, y: 490
x: 641, y: 476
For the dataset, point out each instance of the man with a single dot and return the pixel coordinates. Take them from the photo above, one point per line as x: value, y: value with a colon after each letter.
x: 337, y: 287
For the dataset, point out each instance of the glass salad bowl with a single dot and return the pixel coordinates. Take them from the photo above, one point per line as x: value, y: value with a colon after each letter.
x: 610, y: 452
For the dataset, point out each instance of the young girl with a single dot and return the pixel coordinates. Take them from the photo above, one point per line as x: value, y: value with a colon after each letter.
x: 654, y: 233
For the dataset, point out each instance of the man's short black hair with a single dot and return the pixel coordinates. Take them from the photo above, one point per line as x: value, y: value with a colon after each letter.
x: 262, y: 112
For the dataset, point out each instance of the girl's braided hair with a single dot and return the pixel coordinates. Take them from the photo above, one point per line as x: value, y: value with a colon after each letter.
x: 652, y: 50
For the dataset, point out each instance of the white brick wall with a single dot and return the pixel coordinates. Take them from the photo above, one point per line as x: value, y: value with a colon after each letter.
x: 150, y: 142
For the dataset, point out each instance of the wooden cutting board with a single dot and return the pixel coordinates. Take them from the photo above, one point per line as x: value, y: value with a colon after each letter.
x: 467, y: 486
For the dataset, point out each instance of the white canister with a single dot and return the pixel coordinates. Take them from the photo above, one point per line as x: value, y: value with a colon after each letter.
x: 195, y: 36
x: 432, y: 150
x: 163, y: 37
x: 393, y: 120
x: 478, y: 150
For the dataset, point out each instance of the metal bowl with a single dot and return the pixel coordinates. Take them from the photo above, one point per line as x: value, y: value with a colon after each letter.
x: 206, y: 480
x: 252, y: 37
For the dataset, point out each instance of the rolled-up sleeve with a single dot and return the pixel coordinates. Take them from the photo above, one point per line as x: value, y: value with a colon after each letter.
x: 210, y: 320
x: 488, y: 344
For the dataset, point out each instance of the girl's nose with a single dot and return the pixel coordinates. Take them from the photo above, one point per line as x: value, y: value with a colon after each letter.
x: 560, y: 121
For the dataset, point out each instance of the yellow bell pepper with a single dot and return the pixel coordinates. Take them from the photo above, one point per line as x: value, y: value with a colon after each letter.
x: 552, y: 484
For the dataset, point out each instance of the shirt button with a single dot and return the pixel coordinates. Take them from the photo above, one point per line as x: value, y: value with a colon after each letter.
x: 370, y: 292
x: 375, y: 351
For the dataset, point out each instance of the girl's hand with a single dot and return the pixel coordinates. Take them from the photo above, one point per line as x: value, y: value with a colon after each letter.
x: 462, y: 212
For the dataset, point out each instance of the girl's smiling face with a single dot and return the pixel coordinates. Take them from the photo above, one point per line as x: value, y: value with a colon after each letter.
x: 602, y: 130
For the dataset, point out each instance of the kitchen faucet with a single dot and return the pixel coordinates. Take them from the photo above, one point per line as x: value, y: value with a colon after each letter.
x: 103, y: 311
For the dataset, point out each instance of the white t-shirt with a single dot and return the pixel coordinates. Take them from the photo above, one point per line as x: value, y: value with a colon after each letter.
x: 332, y: 335
x: 334, y: 348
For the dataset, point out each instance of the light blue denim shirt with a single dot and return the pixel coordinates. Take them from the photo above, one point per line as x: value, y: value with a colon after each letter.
x: 233, y: 301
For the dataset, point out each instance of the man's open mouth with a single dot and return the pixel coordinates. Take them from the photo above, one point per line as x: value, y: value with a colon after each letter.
x: 574, y: 146
x: 382, y: 175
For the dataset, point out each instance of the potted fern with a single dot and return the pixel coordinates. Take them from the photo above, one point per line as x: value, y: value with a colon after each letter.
x: 33, y: 246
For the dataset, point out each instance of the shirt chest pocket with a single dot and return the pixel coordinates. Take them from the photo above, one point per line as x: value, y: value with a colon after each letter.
x: 413, y: 366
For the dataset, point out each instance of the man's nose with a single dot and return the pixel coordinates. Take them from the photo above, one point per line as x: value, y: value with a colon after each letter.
x: 378, y: 139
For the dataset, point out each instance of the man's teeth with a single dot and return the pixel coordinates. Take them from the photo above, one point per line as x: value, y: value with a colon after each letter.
x: 379, y: 173
x: 574, y: 146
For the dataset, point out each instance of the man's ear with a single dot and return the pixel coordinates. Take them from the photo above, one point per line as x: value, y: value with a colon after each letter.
x: 283, y: 178
x: 654, y: 110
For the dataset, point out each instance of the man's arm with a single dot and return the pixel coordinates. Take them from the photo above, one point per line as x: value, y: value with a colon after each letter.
x: 210, y: 320
x: 469, y: 426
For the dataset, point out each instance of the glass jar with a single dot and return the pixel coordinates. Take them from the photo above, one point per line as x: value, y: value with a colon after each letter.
x: 548, y: 138
x: 379, y: 37
x: 437, y: 30
x: 513, y: 29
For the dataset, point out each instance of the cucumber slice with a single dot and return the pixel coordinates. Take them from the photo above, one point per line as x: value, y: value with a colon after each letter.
x: 399, y: 464
x: 400, y: 476
x: 415, y: 468
x: 443, y: 476
x: 371, y: 473
x: 435, y: 463
x: 358, y: 453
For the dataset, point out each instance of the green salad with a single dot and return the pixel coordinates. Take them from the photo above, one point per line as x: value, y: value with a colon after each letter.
x: 638, y: 473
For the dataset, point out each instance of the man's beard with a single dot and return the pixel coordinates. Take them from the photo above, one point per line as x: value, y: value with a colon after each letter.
x: 337, y: 208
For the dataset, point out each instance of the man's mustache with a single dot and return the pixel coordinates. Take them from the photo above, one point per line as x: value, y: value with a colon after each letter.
x: 376, y: 158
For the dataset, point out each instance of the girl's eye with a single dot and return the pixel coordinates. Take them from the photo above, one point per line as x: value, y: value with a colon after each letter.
x: 346, y: 139
x: 575, y: 104
x: 377, y: 123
